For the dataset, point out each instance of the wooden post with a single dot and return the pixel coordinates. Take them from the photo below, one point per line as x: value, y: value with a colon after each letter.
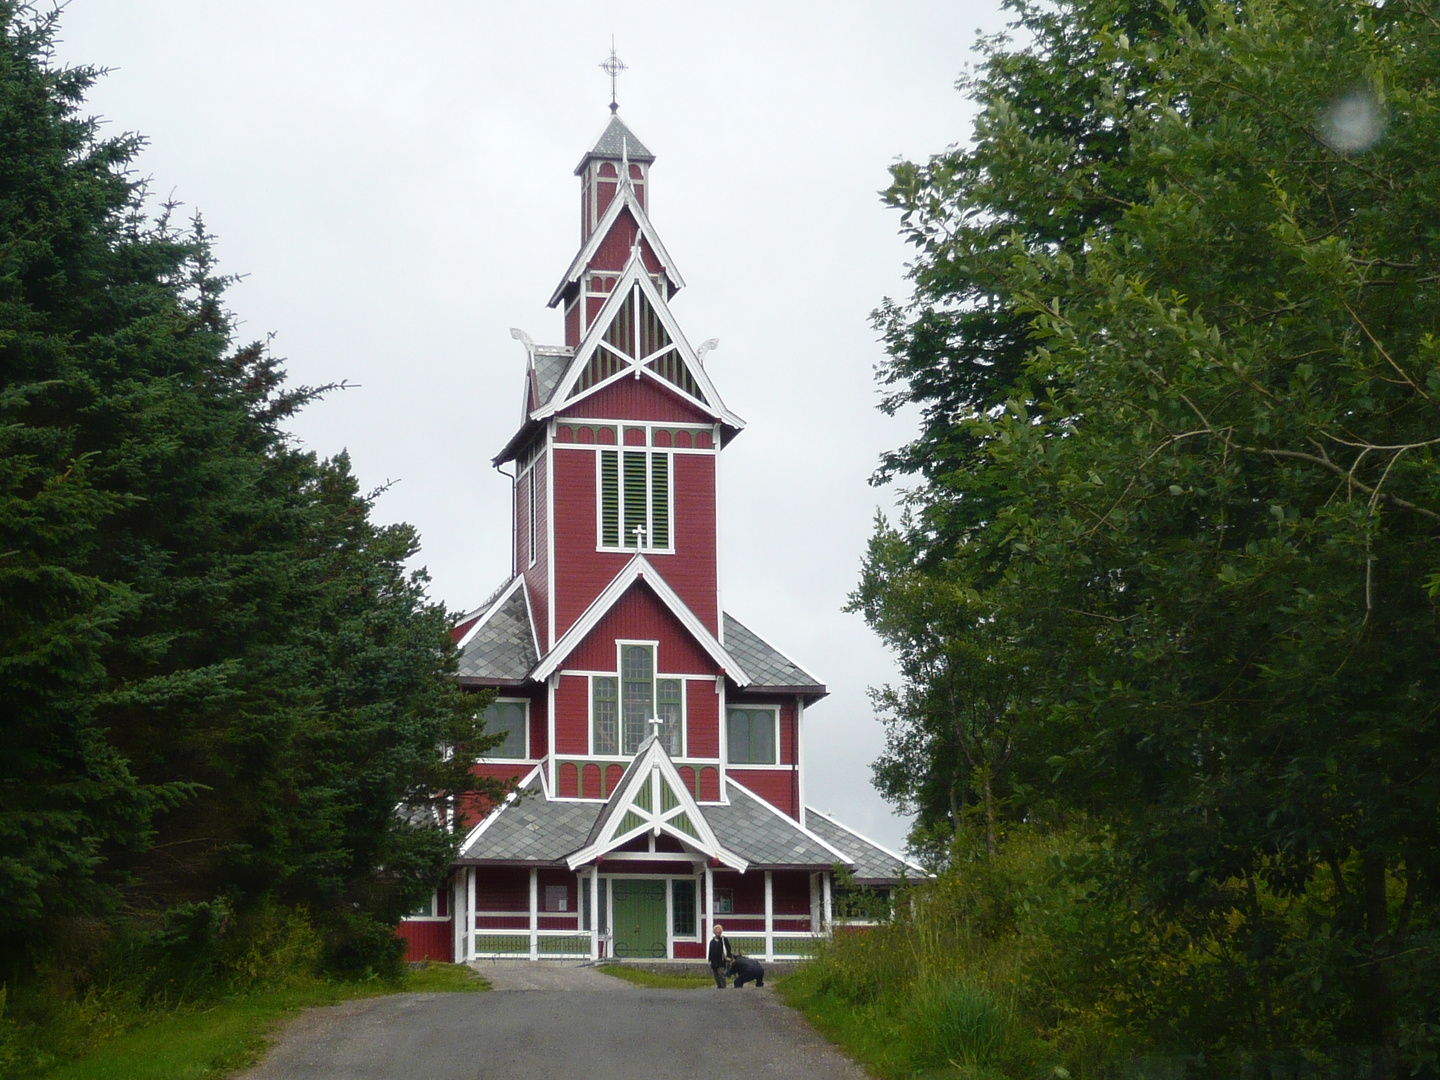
x: 595, y: 911
x: 534, y: 914
x: 769, y: 917
x: 709, y: 904
x: 470, y: 912
x: 458, y: 950
x: 825, y: 887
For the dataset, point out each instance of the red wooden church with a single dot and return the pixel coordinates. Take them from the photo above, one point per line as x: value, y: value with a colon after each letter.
x: 657, y: 740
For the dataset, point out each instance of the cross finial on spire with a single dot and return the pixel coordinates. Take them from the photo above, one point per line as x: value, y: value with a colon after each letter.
x: 613, y: 66
x: 658, y: 722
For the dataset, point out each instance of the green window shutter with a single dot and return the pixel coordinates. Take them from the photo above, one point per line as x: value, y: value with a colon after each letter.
x: 635, y: 497
x: 609, y: 498
x: 660, y: 500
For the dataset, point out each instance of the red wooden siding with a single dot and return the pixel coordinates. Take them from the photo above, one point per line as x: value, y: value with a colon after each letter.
x: 502, y: 888
x: 775, y: 786
x: 590, y: 781
x: 572, y: 715
x: 426, y: 940
x: 639, y: 615
x: 539, y: 724
x: 569, y: 780
x: 613, y: 775
x: 637, y: 399
x: 581, y: 572
x: 536, y: 580
x: 709, y: 784
x: 689, y: 950
x: 702, y: 720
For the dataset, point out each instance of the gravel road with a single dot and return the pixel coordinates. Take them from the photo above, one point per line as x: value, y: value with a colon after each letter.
x: 587, y: 1025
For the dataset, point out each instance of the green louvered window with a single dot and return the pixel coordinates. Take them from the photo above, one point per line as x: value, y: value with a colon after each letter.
x: 659, y: 500
x: 609, y: 498
x: 637, y: 529
x: 605, y: 716
x: 635, y: 496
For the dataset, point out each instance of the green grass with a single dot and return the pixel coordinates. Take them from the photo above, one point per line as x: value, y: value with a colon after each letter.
x: 230, y: 1034
x: 658, y: 980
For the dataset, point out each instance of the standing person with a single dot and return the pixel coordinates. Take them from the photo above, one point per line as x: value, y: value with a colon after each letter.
x: 719, y: 956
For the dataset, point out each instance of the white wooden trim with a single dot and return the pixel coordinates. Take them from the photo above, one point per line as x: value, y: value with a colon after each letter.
x: 549, y: 541
x: 636, y: 569
x: 470, y: 909
x: 799, y: 747
x: 623, y: 197
x: 595, y: 912
x: 534, y: 913
x: 769, y: 918
x: 825, y: 887
x: 651, y: 759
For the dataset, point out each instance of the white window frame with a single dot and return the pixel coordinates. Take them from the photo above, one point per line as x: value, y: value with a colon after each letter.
x: 525, y: 704
x: 774, y: 711
x: 591, y: 676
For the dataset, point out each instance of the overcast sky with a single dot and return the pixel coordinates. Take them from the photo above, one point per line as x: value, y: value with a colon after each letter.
x: 395, y: 183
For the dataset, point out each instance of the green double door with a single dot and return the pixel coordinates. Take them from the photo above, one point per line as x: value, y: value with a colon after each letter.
x: 639, y: 908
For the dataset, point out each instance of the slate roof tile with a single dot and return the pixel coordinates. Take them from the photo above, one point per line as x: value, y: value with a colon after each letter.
x: 765, y: 664
x: 612, y: 138
x: 762, y: 837
x: 872, y: 863
x: 503, y: 647
x: 534, y: 828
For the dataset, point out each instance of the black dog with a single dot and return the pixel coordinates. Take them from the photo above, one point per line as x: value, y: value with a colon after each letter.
x: 743, y: 970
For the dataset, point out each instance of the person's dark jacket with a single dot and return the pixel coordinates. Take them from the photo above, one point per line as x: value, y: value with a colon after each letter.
x: 719, y: 953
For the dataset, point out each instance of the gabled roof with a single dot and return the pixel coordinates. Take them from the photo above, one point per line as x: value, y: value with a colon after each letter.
x: 501, y: 647
x: 617, y: 141
x: 651, y: 797
x: 529, y: 828
x: 637, y: 569
x: 633, y: 274
x: 625, y: 199
x: 764, y: 836
x: 548, y: 363
x: 873, y: 864
x: 768, y: 668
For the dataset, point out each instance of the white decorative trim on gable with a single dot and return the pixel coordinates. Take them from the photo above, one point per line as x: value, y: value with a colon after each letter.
x: 635, y: 273
x: 638, y: 568
x: 840, y: 856
x: 624, y: 198
x: 652, y: 798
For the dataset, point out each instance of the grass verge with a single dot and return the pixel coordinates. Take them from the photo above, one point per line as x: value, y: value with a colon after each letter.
x: 228, y: 1035
x: 657, y: 980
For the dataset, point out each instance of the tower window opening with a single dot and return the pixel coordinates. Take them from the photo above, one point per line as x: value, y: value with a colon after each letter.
x: 635, y: 500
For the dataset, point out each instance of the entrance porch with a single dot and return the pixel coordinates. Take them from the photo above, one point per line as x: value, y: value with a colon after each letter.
x: 648, y: 909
